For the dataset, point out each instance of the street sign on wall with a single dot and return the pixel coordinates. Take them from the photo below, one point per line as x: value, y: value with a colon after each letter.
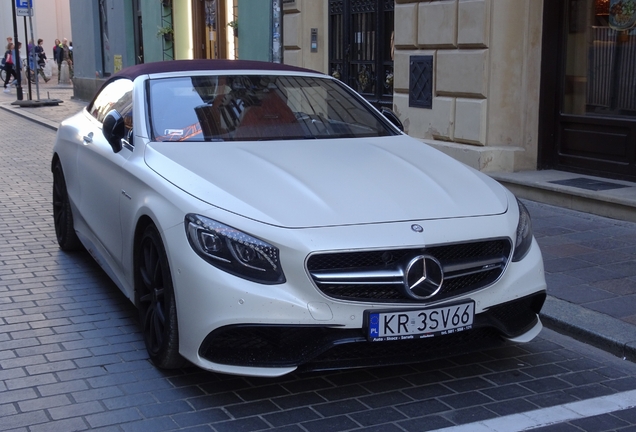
x: 24, y: 7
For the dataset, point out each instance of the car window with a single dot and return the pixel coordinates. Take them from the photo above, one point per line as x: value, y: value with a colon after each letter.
x: 258, y: 107
x: 118, y: 96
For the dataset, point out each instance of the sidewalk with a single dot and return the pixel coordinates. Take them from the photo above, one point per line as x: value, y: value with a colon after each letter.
x: 590, y: 260
x: 49, y: 116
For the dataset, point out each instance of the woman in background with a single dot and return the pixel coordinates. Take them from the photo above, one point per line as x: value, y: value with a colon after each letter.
x: 9, y: 67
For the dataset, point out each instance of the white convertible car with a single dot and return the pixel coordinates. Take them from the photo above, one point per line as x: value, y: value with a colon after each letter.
x: 265, y: 219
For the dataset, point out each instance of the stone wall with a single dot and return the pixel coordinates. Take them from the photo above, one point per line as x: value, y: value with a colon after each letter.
x: 485, y: 78
x: 300, y: 17
x: 86, y: 88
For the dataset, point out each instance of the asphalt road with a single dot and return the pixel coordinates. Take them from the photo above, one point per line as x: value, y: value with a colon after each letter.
x: 72, y: 357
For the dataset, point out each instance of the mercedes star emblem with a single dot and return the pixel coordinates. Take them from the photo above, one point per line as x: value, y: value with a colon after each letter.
x: 424, y: 277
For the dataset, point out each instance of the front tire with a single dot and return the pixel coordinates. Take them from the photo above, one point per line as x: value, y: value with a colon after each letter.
x: 155, y: 299
x: 62, y: 216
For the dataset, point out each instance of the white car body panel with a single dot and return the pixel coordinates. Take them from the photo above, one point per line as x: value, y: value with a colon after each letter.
x: 302, y: 197
x: 328, y: 182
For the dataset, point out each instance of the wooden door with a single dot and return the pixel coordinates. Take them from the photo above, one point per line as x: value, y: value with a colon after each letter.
x: 588, y: 108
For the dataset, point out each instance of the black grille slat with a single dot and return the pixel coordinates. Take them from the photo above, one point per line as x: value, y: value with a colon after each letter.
x: 360, y: 260
x: 355, y: 292
x: 469, y: 250
x: 448, y: 255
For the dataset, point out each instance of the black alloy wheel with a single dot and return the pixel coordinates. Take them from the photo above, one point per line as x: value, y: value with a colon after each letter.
x: 62, y: 216
x: 155, y: 299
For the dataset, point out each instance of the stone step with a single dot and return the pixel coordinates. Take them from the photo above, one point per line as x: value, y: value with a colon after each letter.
x: 597, y: 195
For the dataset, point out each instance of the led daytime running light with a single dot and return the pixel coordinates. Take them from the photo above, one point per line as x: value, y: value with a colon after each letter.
x: 234, y: 251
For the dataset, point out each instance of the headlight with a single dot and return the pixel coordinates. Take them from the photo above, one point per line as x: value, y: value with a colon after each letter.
x: 524, y: 234
x: 234, y: 251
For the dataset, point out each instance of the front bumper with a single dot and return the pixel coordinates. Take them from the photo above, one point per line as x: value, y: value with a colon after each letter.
x: 231, y: 325
x: 323, y: 348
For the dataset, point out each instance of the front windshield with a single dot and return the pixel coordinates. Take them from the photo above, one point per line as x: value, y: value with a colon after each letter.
x: 258, y: 107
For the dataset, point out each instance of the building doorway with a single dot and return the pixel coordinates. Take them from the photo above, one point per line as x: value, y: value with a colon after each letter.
x: 360, y: 47
x: 588, y: 104
x: 209, y: 29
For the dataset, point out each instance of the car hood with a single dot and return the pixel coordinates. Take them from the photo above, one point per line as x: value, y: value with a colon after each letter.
x: 312, y: 183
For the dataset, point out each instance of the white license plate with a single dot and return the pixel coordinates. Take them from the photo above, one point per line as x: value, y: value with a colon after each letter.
x: 419, y: 324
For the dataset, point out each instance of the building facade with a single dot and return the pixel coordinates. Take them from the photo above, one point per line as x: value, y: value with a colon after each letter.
x: 121, y: 33
x: 501, y: 85
x: 462, y: 75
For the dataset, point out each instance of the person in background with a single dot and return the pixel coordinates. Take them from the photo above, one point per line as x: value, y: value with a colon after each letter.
x: 16, y: 66
x: 56, y: 53
x: 63, y: 53
x: 40, y: 56
x: 55, y: 48
x: 9, y: 42
x: 31, y: 55
x: 9, y: 66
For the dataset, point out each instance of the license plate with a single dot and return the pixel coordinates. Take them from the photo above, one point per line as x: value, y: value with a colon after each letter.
x: 420, y: 324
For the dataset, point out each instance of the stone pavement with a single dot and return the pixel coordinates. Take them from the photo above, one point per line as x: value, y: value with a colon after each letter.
x: 590, y: 261
x: 49, y: 116
x: 72, y: 357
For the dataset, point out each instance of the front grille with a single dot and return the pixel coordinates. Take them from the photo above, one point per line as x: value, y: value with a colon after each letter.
x: 378, y: 276
x: 322, y: 348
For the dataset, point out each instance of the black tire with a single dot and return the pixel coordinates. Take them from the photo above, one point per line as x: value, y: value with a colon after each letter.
x: 62, y: 216
x: 154, y: 296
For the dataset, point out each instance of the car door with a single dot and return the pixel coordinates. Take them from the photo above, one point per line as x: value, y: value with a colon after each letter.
x: 100, y: 169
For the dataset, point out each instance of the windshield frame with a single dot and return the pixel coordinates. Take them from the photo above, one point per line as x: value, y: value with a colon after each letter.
x: 258, y: 106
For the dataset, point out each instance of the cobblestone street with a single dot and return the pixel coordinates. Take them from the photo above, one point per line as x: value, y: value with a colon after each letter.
x: 72, y: 357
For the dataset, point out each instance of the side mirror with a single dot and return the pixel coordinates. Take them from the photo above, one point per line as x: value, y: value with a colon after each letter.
x: 392, y: 117
x: 114, y: 129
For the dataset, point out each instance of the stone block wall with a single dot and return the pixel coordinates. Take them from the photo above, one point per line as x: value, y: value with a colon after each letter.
x: 485, y: 78
x: 300, y: 17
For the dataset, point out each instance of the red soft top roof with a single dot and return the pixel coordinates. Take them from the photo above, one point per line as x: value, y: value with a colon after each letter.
x: 133, y: 72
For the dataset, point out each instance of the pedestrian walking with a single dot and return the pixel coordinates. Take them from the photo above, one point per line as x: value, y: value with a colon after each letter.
x: 9, y: 42
x: 40, y: 56
x: 31, y: 55
x: 17, y: 66
x: 9, y: 66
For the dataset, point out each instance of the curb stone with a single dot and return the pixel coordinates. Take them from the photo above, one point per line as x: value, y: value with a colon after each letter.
x: 595, y: 328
